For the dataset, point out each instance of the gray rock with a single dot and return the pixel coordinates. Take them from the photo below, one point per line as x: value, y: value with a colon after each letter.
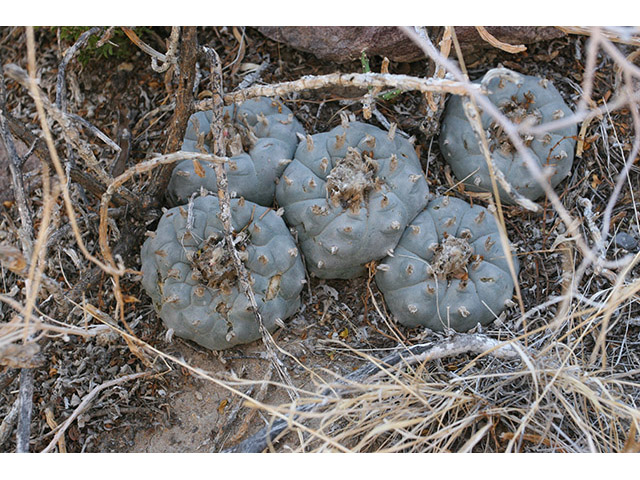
x: 626, y: 241
x: 344, y: 44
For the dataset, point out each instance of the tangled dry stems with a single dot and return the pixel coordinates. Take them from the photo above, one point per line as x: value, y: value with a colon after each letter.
x: 567, y: 385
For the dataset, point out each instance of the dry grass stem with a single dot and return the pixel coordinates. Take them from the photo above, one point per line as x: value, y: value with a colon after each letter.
x: 487, y: 37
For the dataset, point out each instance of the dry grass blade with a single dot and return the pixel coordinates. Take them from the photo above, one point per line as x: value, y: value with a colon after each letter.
x: 487, y: 37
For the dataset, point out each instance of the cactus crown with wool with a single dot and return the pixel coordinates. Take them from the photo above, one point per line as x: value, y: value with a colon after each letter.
x: 521, y: 98
x: 448, y: 270
x: 261, y: 134
x: 190, y: 276
x: 349, y: 193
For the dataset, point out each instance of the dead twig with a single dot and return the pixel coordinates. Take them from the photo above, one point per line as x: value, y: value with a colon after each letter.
x: 8, y: 422
x: 167, y: 59
x: 61, y: 101
x: 15, y: 164
x: 493, y: 41
x: 435, y: 101
x: 25, y: 398
x: 609, y: 33
x: 25, y: 395
x: 362, y: 80
x: 184, y: 105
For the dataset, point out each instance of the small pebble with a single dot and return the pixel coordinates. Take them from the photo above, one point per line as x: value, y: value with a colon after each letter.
x: 626, y: 241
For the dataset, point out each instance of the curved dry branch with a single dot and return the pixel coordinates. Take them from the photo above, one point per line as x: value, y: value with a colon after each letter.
x: 361, y: 80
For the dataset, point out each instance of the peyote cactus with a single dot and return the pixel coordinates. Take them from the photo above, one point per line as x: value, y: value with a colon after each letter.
x: 263, y: 135
x: 350, y: 193
x: 521, y: 98
x: 191, y: 279
x: 448, y: 270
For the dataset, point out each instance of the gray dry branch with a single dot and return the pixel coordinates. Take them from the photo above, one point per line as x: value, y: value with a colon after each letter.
x: 361, y: 80
x: 186, y: 76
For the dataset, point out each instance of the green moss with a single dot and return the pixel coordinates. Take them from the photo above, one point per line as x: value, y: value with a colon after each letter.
x: 118, y: 46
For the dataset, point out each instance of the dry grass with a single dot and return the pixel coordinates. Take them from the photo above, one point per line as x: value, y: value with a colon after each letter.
x: 558, y: 372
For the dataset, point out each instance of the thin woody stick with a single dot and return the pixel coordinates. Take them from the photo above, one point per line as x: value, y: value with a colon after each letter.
x: 167, y: 59
x: 15, y: 162
x: 487, y: 37
x: 225, y: 212
x: 186, y: 74
x: 61, y: 101
x: 609, y: 34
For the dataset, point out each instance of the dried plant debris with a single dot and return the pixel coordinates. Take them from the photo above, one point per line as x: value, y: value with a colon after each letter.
x: 261, y: 136
x: 523, y: 99
x: 448, y: 270
x: 192, y: 281
x: 349, y: 193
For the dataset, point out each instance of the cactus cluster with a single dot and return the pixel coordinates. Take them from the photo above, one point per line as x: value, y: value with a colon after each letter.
x: 261, y: 134
x: 521, y: 98
x: 192, y: 281
x: 448, y: 270
x: 349, y: 193
x: 352, y: 195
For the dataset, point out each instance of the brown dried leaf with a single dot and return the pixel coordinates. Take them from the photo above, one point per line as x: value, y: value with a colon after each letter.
x: 13, y: 259
x: 222, y: 406
x: 197, y: 167
x: 241, y: 51
x: 21, y: 356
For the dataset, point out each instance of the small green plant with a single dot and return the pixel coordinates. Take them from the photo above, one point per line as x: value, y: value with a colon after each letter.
x: 118, y: 46
x: 366, y: 68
